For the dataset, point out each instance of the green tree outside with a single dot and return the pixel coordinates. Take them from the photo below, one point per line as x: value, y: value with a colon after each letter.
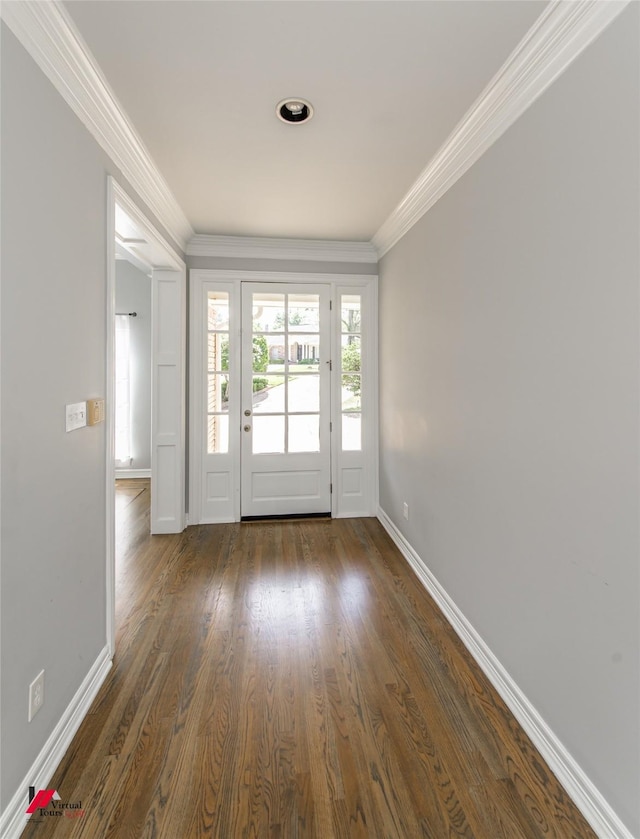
x: 351, y: 368
x: 260, y: 355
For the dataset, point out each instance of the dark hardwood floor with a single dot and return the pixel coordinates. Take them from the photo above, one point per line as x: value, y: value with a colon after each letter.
x: 293, y: 679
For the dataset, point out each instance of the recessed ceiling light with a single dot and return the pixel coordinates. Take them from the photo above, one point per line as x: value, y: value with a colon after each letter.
x: 294, y: 110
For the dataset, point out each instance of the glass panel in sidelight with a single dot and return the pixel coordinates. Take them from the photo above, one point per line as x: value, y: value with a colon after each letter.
x: 350, y: 313
x: 218, y: 310
x: 217, y: 393
x: 351, y: 353
x: 304, y: 433
x: 268, y: 435
x: 351, y: 395
x: 218, y: 351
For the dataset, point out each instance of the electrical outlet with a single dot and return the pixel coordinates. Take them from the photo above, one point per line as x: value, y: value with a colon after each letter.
x: 36, y: 695
x: 405, y: 511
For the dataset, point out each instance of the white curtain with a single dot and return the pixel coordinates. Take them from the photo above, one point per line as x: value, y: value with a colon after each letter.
x: 123, y: 390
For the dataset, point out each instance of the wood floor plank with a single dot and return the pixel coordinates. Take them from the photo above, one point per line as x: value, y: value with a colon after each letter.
x: 291, y: 679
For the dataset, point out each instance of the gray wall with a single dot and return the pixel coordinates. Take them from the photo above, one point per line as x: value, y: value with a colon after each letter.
x: 133, y: 294
x: 509, y: 369
x: 54, y: 181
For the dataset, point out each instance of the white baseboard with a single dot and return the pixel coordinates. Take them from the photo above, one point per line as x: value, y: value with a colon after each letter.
x: 14, y: 819
x: 584, y: 793
x: 133, y: 473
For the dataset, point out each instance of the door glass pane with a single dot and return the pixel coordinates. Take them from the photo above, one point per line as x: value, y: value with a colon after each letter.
x: 304, y: 352
x: 218, y: 351
x: 351, y: 351
x: 217, y: 393
x: 351, y: 392
x: 351, y: 432
x: 217, y: 381
x: 268, y: 312
x: 269, y: 394
x: 304, y: 433
x: 218, y: 434
x: 350, y: 363
x: 218, y: 310
x: 304, y: 312
x: 304, y: 392
x: 269, y: 353
x: 350, y: 313
x: 268, y: 434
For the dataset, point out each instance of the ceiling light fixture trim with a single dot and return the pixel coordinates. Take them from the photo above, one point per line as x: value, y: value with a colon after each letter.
x: 294, y: 110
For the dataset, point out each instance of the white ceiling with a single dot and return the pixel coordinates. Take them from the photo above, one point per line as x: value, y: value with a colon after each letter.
x: 389, y: 80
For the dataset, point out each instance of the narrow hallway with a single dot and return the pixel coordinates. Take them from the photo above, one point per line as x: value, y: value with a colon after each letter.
x: 292, y: 679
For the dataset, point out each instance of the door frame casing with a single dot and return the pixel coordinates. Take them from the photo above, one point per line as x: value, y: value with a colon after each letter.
x: 168, y: 262
x: 233, y: 279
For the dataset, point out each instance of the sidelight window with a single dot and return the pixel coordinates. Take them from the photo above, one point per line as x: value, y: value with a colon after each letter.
x: 218, y: 390
x: 351, y: 371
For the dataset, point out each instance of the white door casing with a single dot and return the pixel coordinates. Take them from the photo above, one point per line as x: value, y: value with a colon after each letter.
x: 168, y: 300
x: 215, y: 477
x: 168, y: 385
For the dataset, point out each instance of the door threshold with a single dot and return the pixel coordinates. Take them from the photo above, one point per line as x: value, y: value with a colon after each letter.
x: 286, y: 516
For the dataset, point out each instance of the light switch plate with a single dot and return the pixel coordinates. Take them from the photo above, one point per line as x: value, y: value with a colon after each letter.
x: 36, y: 695
x: 76, y: 415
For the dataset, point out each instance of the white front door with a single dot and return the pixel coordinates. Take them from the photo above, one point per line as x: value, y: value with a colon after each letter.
x: 285, y: 400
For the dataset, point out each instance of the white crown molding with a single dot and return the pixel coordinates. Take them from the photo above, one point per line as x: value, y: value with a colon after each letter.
x: 264, y: 248
x: 560, y: 34
x: 585, y: 795
x: 49, y: 35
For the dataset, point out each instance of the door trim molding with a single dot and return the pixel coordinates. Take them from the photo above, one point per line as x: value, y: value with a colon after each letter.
x: 198, y: 276
x: 116, y: 195
x: 168, y: 400
x: 113, y: 191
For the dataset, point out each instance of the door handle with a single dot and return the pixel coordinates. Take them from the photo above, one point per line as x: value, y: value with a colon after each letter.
x: 247, y: 428
x: 247, y: 413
